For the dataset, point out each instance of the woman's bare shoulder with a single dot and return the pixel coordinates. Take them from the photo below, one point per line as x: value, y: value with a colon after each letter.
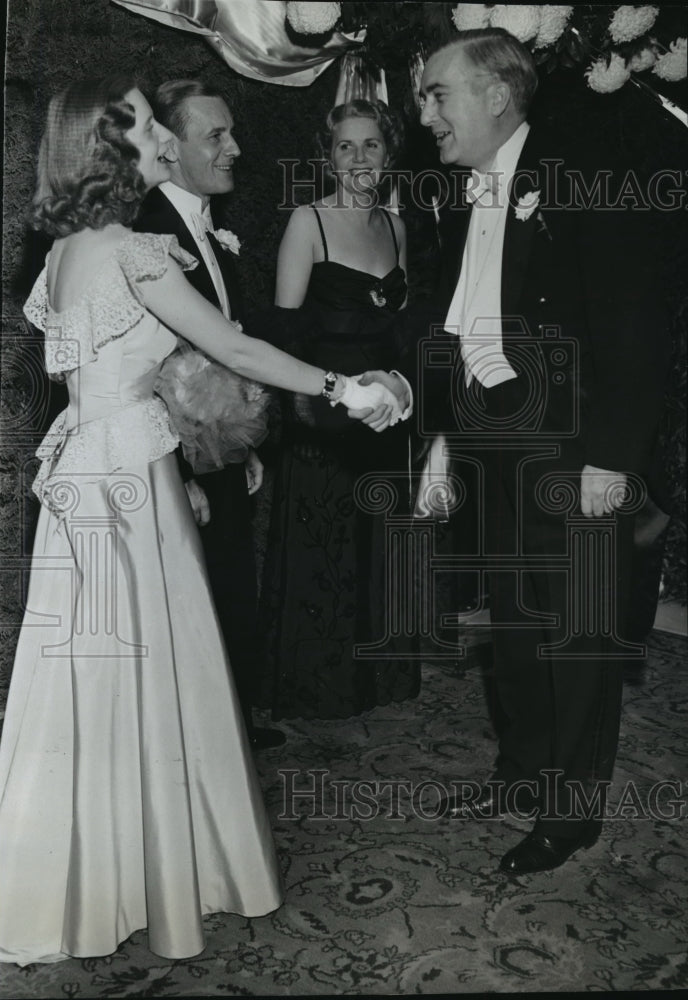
x: 77, y: 260
x: 302, y: 217
x: 301, y: 235
x: 88, y: 247
x: 398, y: 223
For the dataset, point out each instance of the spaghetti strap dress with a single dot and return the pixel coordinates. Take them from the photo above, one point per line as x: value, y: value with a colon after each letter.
x: 325, y: 587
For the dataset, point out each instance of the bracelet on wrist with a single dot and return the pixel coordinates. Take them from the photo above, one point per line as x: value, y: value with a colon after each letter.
x: 329, y: 385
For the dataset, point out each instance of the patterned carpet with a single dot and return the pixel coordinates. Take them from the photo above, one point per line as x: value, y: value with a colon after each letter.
x: 380, y: 900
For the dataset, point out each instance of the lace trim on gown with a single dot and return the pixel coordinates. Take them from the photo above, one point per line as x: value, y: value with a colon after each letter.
x: 111, y: 308
x: 135, y: 435
x: 132, y: 435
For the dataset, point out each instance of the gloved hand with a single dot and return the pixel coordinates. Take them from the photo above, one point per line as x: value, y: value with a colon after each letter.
x: 369, y: 397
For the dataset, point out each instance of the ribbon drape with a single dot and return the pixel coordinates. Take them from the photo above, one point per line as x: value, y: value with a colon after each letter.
x: 250, y: 35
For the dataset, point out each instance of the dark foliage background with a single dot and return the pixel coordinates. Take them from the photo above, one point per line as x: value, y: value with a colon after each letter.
x: 53, y: 41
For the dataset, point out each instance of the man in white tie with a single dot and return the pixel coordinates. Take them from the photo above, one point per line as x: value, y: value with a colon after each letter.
x: 564, y: 356
x: 205, y: 150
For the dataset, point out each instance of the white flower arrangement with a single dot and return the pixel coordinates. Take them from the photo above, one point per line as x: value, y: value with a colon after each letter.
x: 605, y: 77
x: 520, y: 19
x: 558, y: 33
x: 553, y: 20
x: 642, y: 60
x: 631, y: 22
x: 313, y: 18
x: 467, y: 16
x: 672, y: 65
x: 527, y: 204
x: 228, y: 240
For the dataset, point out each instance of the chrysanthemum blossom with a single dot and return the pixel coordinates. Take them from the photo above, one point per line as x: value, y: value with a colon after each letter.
x: 671, y: 65
x: 553, y: 19
x: 607, y: 78
x: 631, y: 22
x: 467, y: 16
x: 520, y: 19
x: 313, y: 18
x: 642, y: 60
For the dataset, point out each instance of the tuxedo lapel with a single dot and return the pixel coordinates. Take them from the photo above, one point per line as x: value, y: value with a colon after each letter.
x: 200, y: 276
x: 158, y: 215
x: 453, y: 233
x: 229, y: 276
x: 518, y: 241
x: 459, y: 238
x: 519, y: 233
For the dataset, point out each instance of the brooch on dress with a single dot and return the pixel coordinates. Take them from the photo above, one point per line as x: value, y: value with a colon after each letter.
x: 378, y: 297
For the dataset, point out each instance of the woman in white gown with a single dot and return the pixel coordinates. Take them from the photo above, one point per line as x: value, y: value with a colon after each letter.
x: 128, y: 796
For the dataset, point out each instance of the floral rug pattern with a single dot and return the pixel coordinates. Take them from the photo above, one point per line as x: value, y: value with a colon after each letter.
x: 381, y: 899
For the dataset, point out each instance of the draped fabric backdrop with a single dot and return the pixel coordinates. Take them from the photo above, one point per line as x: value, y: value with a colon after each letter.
x: 53, y: 41
x: 250, y: 35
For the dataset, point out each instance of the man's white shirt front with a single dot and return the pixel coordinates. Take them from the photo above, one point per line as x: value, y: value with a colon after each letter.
x: 475, y: 312
x: 197, y: 220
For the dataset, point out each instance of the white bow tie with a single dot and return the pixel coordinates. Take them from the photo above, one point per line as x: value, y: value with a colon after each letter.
x: 484, y: 184
x: 202, y: 225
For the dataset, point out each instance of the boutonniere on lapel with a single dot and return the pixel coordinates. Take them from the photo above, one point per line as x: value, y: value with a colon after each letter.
x: 526, y: 205
x: 228, y: 240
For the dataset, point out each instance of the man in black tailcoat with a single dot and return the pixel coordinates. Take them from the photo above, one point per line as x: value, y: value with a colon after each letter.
x: 564, y: 353
x: 205, y: 148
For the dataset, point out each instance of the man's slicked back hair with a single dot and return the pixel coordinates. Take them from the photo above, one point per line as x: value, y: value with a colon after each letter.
x: 496, y: 51
x: 169, y: 102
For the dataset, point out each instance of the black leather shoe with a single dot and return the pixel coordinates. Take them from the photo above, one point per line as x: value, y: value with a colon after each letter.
x: 540, y: 853
x: 263, y: 739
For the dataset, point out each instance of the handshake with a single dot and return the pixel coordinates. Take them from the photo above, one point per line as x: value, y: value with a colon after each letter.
x: 380, y: 399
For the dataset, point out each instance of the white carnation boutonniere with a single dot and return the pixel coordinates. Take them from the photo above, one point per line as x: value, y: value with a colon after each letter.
x: 527, y: 204
x: 228, y: 240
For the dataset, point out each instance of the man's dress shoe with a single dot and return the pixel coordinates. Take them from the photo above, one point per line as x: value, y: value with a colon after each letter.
x: 263, y: 738
x: 539, y: 852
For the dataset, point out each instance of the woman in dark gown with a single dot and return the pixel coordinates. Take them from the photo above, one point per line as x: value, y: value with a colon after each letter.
x: 341, y: 265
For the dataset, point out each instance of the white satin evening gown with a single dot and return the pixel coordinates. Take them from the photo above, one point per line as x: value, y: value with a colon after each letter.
x: 129, y: 798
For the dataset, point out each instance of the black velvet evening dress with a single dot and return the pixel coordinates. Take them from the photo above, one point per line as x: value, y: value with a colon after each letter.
x: 324, y: 588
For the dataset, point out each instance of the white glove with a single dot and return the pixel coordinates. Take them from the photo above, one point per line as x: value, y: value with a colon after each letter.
x: 199, y: 502
x: 361, y: 397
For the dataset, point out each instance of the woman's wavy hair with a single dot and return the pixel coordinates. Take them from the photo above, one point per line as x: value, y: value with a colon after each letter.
x: 88, y: 174
x: 377, y: 111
